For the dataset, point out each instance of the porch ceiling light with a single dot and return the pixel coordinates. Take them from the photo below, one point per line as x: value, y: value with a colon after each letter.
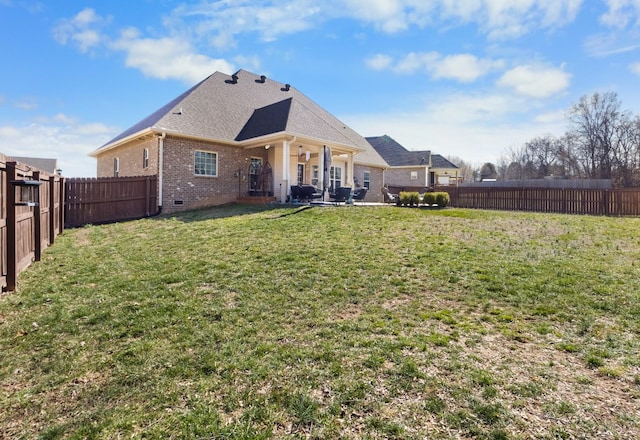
x: 300, y: 150
x: 266, y: 147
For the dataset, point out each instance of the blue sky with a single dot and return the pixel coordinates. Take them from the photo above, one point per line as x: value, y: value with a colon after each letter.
x: 466, y: 78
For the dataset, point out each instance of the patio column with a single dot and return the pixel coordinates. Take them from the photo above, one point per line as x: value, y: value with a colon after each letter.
x: 286, y: 171
x: 350, y: 177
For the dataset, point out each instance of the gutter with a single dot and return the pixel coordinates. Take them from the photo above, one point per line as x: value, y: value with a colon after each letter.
x: 161, y: 137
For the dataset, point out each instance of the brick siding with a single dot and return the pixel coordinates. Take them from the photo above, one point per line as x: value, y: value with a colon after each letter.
x: 181, y: 185
x: 130, y: 158
x: 376, y: 178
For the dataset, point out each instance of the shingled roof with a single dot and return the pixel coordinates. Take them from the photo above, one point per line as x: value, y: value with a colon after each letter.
x: 396, y: 155
x: 438, y: 161
x: 40, y: 163
x: 235, y: 109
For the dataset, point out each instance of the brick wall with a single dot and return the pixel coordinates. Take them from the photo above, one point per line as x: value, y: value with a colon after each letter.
x: 130, y: 158
x: 402, y: 176
x: 376, y: 176
x: 184, y: 190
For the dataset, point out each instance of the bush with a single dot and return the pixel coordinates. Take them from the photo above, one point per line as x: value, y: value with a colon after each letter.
x: 442, y: 199
x: 406, y: 198
x: 429, y: 198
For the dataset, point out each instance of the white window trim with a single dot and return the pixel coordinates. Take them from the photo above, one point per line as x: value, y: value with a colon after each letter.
x: 194, y: 163
x: 145, y: 158
x: 366, y: 182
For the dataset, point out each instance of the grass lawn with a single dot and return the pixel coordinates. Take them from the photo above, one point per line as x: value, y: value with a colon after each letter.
x: 340, y: 322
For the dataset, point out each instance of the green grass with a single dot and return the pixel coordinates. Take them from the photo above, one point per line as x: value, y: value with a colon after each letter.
x: 339, y: 322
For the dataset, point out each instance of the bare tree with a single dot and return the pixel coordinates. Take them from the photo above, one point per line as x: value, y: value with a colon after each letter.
x: 465, y: 169
x: 625, y: 150
x: 593, y: 120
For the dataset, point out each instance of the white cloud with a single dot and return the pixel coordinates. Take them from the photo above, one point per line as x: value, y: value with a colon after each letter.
x: 59, y: 137
x: 221, y: 21
x: 167, y: 58
x: 605, y: 44
x: 82, y: 30
x: 379, y: 62
x: 477, y: 128
x: 552, y: 117
x: 536, y: 81
x: 621, y: 12
x: 26, y: 104
x: 635, y: 68
x: 463, y: 68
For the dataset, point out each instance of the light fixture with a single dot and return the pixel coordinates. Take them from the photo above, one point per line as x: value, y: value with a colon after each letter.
x: 266, y: 147
x: 308, y: 154
x: 300, y: 150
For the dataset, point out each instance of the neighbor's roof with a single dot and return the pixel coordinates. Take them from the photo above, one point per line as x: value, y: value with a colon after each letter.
x: 40, y: 163
x: 245, y: 106
x: 437, y: 161
x: 396, y: 155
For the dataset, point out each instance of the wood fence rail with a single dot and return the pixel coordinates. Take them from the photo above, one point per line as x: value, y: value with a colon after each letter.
x: 109, y: 199
x: 610, y: 202
x: 26, y: 229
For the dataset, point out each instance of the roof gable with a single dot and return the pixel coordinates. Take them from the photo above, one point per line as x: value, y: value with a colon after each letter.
x: 438, y: 161
x: 266, y: 120
x: 244, y: 106
x: 396, y: 155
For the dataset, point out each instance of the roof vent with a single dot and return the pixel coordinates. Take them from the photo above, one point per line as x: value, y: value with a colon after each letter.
x: 233, y: 80
x: 262, y: 79
x: 286, y: 88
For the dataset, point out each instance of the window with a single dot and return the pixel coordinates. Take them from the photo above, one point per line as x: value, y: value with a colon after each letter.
x: 367, y: 179
x: 315, y: 175
x: 414, y: 175
x: 145, y: 158
x: 335, y: 176
x: 255, y: 168
x: 300, y: 173
x: 206, y: 163
x: 116, y: 166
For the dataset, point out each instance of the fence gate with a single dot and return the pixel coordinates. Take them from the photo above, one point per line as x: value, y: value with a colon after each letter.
x: 110, y: 199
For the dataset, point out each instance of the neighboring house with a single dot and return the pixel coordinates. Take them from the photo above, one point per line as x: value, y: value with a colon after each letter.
x: 413, y: 168
x: 230, y: 137
x: 39, y: 163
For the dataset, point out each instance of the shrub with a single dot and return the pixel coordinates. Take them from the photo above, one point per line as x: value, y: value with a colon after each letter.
x: 442, y: 199
x: 407, y: 198
x: 429, y: 198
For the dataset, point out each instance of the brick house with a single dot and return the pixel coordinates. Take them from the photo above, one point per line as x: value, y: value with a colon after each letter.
x: 413, y: 168
x: 233, y: 137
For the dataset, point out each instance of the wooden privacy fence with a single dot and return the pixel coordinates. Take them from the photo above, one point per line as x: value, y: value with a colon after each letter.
x: 611, y: 202
x: 110, y: 199
x: 26, y: 229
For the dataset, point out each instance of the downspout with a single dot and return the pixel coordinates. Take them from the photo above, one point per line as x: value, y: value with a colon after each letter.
x: 161, y: 167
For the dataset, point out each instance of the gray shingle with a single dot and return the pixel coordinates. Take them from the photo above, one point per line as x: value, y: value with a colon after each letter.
x: 396, y: 155
x: 221, y: 108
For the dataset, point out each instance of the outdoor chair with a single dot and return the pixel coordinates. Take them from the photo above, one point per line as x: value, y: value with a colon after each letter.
x: 359, y: 194
x: 304, y: 193
x: 388, y: 196
x: 309, y: 192
x: 342, y: 194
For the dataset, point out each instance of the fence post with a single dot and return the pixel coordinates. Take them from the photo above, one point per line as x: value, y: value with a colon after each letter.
x: 37, y: 223
x: 148, y: 196
x: 52, y: 209
x: 62, y: 201
x: 10, y: 197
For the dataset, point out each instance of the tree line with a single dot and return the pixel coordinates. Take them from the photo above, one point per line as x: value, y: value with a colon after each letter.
x: 602, y: 142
